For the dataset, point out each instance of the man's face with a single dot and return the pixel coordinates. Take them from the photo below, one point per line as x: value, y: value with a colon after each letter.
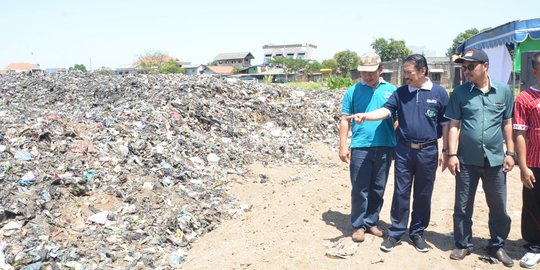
x: 413, y: 77
x: 474, y: 71
x: 370, y: 78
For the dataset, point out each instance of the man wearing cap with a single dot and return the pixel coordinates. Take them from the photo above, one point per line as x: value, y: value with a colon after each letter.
x: 371, y: 148
x: 420, y: 107
x: 480, y: 113
x: 527, y: 132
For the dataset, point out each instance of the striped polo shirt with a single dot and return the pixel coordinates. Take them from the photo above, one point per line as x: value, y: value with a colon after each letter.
x: 527, y: 117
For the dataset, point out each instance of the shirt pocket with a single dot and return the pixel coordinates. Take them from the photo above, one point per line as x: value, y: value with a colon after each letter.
x: 497, y: 108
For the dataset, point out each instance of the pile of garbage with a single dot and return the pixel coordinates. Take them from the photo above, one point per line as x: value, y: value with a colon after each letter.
x: 127, y: 171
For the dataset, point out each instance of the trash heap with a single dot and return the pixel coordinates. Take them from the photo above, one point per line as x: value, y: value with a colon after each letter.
x: 127, y: 171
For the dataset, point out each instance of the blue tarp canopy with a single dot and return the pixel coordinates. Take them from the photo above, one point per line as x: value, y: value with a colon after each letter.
x: 509, y: 33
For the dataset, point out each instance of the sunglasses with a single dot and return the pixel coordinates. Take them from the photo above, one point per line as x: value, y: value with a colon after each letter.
x: 470, y: 67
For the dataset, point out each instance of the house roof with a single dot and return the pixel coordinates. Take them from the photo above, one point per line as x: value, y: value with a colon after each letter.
x: 237, y: 55
x: 21, y: 66
x: 221, y: 69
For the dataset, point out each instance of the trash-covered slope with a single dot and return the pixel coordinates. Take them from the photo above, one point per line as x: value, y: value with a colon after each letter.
x: 101, y: 170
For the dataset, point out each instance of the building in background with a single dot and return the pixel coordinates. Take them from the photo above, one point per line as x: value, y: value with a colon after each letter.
x: 239, y: 59
x: 194, y: 69
x: 297, y: 51
x: 21, y: 67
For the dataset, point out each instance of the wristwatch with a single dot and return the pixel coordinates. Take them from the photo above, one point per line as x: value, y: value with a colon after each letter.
x: 510, y: 154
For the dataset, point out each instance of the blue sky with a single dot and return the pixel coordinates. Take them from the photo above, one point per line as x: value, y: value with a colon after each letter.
x: 110, y: 33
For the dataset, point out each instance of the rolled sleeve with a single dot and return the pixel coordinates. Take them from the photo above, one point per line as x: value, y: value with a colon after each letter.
x: 442, y: 109
x: 509, y: 104
x: 392, y: 104
x: 346, y: 104
x: 453, y: 110
x: 520, y: 115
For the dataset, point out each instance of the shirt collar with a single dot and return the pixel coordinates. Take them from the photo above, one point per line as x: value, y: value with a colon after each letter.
x: 534, y: 89
x: 491, y: 86
x: 381, y: 81
x: 428, y: 85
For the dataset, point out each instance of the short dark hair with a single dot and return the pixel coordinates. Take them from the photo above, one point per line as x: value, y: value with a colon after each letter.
x: 419, y: 62
x: 536, y: 59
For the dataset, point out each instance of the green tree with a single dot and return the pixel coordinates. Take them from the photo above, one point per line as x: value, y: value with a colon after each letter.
x: 152, y: 60
x: 346, y: 61
x: 390, y: 49
x: 237, y: 69
x: 331, y: 64
x: 289, y: 65
x: 79, y: 67
x: 171, y: 67
x: 313, y: 67
x: 461, y: 37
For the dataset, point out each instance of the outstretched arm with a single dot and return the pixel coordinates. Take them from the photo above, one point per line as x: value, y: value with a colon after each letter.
x: 379, y: 114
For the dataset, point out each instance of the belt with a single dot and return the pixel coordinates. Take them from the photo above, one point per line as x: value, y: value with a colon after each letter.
x: 414, y: 145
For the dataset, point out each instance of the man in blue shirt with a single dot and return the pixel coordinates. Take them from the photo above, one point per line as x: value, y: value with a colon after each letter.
x: 371, y: 148
x: 420, y: 107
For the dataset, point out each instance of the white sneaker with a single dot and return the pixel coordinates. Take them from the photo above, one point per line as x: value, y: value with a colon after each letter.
x: 530, y: 260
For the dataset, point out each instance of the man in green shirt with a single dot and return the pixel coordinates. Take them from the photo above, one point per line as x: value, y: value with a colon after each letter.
x: 480, y: 113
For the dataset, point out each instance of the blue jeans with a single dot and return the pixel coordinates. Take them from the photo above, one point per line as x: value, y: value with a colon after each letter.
x: 369, y: 173
x: 413, y: 168
x: 494, y: 185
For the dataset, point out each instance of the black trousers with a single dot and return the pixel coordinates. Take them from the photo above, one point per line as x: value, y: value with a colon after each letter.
x: 530, y: 214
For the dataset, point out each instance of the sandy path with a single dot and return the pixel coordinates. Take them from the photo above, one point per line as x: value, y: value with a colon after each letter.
x: 291, y: 220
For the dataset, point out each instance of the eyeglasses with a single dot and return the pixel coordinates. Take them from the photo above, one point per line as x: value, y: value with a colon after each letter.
x: 470, y: 67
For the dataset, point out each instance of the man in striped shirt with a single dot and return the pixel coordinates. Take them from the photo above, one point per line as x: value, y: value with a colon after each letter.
x: 527, y: 132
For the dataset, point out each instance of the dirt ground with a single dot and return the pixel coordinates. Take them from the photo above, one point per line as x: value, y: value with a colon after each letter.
x: 302, y: 209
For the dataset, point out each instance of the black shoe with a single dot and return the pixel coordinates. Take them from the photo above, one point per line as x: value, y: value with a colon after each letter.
x: 389, y: 243
x: 502, y: 256
x: 419, y: 243
x: 459, y: 253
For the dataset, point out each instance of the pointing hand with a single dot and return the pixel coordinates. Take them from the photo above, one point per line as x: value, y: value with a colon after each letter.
x: 359, y: 118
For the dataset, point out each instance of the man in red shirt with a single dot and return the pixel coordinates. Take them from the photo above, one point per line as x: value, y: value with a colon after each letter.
x: 527, y: 133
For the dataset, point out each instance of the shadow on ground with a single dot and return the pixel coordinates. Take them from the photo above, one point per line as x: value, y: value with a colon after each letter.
x: 342, y: 222
x: 445, y: 242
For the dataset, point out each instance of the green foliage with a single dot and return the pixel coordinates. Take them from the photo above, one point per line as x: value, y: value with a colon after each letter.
x: 461, y: 37
x: 213, y: 63
x: 104, y: 72
x: 236, y: 70
x: 313, y: 67
x: 290, y: 65
x: 391, y: 49
x: 268, y: 79
x: 171, y: 67
x: 339, y: 82
x: 151, y: 61
x: 158, y: 62
x: 331, y: 64
x: 346, y: 61
x: 79, y: 67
